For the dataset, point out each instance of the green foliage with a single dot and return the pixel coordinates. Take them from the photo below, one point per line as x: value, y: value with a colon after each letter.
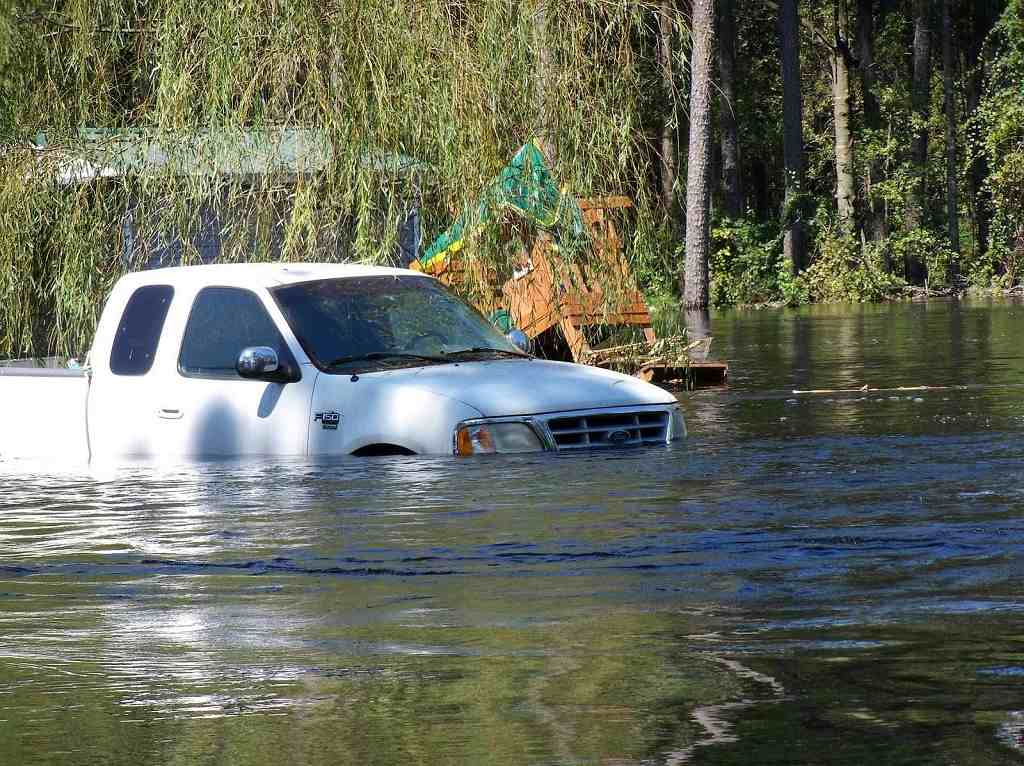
x: 925, y: 246
x: 749, y: 268
x: 1000, y: 267
x: 1001, y: 120
x: 999, y: 123
x: 844, y: 271
x: 429, y: 109
x: 449, y: 92
x: 7, y: 84
x: 747, y: 265
x: 655, y: 253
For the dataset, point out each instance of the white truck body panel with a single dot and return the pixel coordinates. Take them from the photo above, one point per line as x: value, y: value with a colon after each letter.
x: 167, y: 410
x: 384, y: 408
x: 506, y: 387
x: 173, y: 416
x: 42, y: 414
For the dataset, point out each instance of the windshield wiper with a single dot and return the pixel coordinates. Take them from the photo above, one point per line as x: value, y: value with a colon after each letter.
x: 487, y: 349
x: 374, y: 356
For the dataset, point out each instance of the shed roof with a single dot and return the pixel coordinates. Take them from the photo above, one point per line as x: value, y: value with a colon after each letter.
x: 290, y: 152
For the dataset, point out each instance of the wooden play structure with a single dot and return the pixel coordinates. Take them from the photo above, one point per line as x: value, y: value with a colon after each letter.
x: 576, y: 303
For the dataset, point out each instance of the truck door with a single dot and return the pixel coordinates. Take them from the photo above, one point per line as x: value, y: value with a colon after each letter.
x: 121, y: 419
x: 210, y: 408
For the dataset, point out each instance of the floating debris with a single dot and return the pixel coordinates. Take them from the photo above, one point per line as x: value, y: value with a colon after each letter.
x: 671, y: 359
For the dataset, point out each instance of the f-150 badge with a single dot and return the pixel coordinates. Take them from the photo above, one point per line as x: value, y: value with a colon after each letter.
x: 328, y: 420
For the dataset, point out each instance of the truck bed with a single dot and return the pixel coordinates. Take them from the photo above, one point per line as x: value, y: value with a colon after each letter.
x: 42, y: 412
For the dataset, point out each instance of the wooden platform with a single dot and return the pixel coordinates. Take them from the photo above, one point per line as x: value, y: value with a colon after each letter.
x: 693, y: 376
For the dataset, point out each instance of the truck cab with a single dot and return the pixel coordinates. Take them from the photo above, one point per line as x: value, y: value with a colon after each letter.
x: 318, y: 359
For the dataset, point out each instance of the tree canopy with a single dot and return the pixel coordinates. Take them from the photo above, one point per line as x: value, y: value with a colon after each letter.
x: 129, y: 124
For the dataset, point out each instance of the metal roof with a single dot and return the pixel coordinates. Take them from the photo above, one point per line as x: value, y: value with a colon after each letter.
x: 288, y: 152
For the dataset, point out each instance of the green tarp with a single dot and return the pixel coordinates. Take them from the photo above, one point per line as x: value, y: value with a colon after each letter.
x: 525, y: 186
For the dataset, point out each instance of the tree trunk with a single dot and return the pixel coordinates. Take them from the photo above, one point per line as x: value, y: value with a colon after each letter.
x: 698, y: 327
x: 845, y: 191
x: 759, y: 189
x: 698, y: 179
x: 920, y: 101
x: 669, y: 153
x: 875, y: 208
x: 732, y: 183
x: 948, y: 64
x: 981, y: 24
x: 545, y: 81
x: 793, y: 133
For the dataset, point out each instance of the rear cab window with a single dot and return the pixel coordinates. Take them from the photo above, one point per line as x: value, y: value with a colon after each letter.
x: 138, y: 334
x: 223, y: 322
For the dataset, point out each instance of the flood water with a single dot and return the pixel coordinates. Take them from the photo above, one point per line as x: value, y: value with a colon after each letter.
x: 828, y: 577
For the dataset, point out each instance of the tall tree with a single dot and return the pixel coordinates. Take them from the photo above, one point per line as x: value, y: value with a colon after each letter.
x: 841, y: 61
x: 921, y: 77
x: 669, y: 152
x: 545, y: 78
x: 698, y: 178
x: 732, y: 184
x: 982, y: 18
x: 875, y: 223
x: 948, y: 65
x: 793, y: 132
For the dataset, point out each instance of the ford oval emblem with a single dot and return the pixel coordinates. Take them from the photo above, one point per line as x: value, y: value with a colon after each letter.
x: 618, y: 437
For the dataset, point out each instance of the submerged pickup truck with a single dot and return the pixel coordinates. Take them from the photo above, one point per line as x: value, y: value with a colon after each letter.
x: 313, y: 359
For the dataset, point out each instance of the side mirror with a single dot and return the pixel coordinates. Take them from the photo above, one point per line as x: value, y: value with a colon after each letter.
x: 519, y: 339
x: 262, y: 363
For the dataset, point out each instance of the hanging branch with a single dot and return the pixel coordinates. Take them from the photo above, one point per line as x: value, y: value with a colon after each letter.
x: 42, y: 18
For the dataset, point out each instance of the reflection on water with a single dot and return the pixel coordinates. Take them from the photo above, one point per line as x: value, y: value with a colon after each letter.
x: 812, y: 577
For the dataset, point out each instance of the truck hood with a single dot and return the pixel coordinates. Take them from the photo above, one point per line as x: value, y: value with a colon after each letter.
x: 507, y: 387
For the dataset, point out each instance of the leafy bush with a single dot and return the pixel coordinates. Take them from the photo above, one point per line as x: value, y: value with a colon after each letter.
x: 747, y: 265
x: 1001, y: 120
x: 999, y: 267
x: 926, y: 247
x: 656, y: 254
x: 844, y: 271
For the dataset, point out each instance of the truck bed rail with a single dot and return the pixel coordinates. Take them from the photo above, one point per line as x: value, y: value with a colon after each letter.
x: 40, y: 372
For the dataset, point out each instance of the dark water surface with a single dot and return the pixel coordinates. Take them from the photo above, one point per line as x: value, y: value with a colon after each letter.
x: 810, y: 578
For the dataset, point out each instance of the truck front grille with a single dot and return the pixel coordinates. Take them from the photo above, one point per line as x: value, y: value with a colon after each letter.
x: 620, y: 429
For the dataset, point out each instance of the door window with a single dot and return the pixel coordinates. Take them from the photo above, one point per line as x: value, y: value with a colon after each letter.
x: 138, y: 335
x: 223, y: 322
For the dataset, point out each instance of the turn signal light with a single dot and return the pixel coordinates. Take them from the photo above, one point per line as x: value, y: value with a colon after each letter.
x: 474, y: 440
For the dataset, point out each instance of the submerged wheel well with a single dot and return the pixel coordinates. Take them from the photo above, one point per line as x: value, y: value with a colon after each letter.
x: 382, y: 450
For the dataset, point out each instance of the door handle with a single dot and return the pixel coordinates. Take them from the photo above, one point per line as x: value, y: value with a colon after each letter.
x: 168, y: 413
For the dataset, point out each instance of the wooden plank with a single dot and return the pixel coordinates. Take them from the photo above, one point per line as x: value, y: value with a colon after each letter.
x: 608, y: 203
x: 575, y: 338
x: 590, y: 319
x: 693, y: 375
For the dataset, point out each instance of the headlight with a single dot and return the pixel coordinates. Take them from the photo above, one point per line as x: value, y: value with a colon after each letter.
x: 677, y: 426
x: 492, y: 438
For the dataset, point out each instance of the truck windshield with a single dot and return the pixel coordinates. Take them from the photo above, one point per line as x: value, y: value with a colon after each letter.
x: 385, y: 321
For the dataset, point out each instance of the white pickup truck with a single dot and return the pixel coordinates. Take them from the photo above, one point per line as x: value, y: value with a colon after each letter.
x: 313, y: 359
